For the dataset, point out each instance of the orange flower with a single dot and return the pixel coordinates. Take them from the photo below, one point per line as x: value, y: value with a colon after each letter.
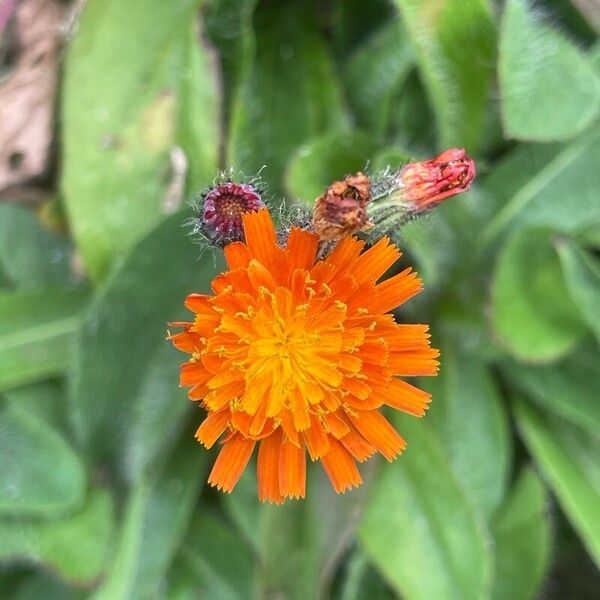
x: 298, y: 355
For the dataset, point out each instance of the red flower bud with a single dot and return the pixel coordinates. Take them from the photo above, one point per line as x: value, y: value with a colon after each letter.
x: 428, y: 182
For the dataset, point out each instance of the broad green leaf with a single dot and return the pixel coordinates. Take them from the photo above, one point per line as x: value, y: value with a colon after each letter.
x: 549, y: 89
x: 527, y: 275
x: 125, y: 395
x: 222, y: 564
x: 326, y: 159
x: 454, y: 43
x: 156, y: 517
x: 419, y: 530
x: 151, y: 89
x: 468, y: 414
x: 355, y: 21
x: 75, y: 546
x: 374, y: 72
x: 31, y: 255
x: 362, y: 581
x: 38, y: 585
x: 319, y: 530
x: 40, y: 475
x: 184, y: 581
x: 37, y: 329
x: 289, y: 96
x: 229, y: 26
x: 568, y: 388
x: 570, y: 460
x: 547, y: 185
x: 244, y: 509
x: 522, y: 536
x: 412, y: 119
x: 582, y: 276
x: 45, y: 399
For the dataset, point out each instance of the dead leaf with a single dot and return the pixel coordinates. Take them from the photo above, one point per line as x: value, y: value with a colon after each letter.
x: 28, y: 94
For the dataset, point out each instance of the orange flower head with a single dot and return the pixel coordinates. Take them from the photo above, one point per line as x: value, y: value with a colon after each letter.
x: 298, y: 355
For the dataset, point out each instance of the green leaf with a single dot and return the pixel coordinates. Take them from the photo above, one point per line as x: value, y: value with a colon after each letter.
x: 40, y: 475
x: 532, y: 186
x: 362, y: 581
x: 229, y: 26
x: 151, y: 89
x: 582, y: 276
x: 45, y: 400
x: 156, y: 517
x: 549, y: 89
x: 568, y: 388
x: 419, y: 530
x: 412, y: 119
x: 468, y: 413
x: 125, y: 397
x: 454, y: 44
x: 323, y: 160
x: 223, y: 565
x: 527, y: 274
x: 75, y: 546
x: 39, y: 585
x: 374, y: 72
x: 319, y: 528
x: 37, y: 328
x: 570, y: 460
x: 291, y: 72
x: 522, y: 536
x: 31, y: 255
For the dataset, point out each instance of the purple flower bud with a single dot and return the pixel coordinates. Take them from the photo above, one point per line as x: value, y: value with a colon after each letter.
x: 222, y: 210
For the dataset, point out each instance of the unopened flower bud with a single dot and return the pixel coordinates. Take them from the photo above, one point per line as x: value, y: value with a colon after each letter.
x: 417, y: 188
x: 222, y: 209
x: 428, y: 182
x: 342, y: 208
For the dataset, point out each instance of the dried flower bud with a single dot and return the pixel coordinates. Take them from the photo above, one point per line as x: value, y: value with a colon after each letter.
x: 342, y: 209
x: 222, y: 210
x: 429, y: 182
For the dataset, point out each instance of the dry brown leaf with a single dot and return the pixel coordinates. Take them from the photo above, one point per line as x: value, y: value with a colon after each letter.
x: 27, y: 95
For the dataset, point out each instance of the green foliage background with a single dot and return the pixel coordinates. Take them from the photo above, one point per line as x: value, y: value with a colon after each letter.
x: 102, y: 489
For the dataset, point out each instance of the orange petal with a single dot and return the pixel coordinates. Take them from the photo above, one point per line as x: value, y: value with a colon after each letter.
x: 376, y: 429
x: 345, y: 253
x: 197, y: 302
x: 193, y: 373
x: 218, y: 398
x: 405, y: 397
x: 260, y: 236
x: 340, y: 467
x: 317, y: 441
x: 357, y: 445
x: 408, y: 336
x: 237, y: 255
x: 231, y: 462
x: 302, y: 249
x: 186, y: 341
x: 336, y: 425
x: 212, y: 427
x: 373, y: 263
x: 398, y: 289
x: 292, y: 470
x: 267, y: 468
x: 414, y: 363
x: 287, y: 424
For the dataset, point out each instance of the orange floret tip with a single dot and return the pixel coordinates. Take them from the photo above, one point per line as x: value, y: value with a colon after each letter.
x: 298, y: 354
